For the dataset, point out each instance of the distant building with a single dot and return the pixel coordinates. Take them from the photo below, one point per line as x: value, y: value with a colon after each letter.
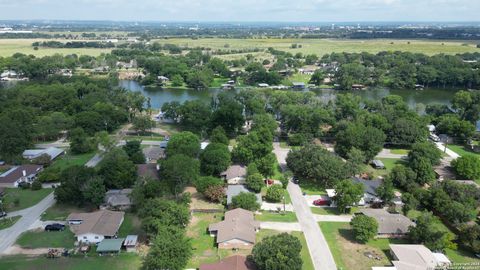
x: 298, y: 85
x: 235, y: 174
x: 415, y: 257
x: 148, y: 170
x: 52, y: 152
x: 358, y: 87
x: 378, y: 164
x: 389, y: 225
x: 118, y: 199
x: 153, y: 154
x: 263, y: 85
x: 92, y: 228
x: 236, y: 231
x: 130, y: 243
x: 18, y: 174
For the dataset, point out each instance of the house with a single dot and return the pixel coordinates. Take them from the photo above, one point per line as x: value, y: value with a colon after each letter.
x: 118, y: 199
x: 235, y: 174
x: 110, y: 246
x: 130, y: 243
x: 18, y: 174
x: 148, y: 170
x: 358, y: 86
x: 92, y: 228
x: 234, y: 190
x: 415, y: 257
x: 298, y: 85
x: 53, y: 152
x: 378, y: 164
x: 154, y: 153
x: 236, y: 231
x: 263, y: 85
x: 204, y: 145
x: 369, y: 190
x: 235, y: 262
x: 389, y: 225
x: 163, y: 79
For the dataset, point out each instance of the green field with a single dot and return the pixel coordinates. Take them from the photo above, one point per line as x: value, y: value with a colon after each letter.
x: 125, y: 261
x: 59, y: 212
x: 8, y: 47
x: 44, y: 239
x: 8, y: 222
x: 69, y: 160
x: 462, y: 150
x: 17, y: 198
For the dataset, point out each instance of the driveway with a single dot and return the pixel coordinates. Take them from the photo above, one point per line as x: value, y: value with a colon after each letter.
x: 28, y: 219
x: 386, y: 153
x: 447, y: 151
x: 275, y: 206
x: 281, y: 226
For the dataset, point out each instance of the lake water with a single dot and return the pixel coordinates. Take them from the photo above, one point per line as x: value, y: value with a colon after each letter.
x: 416, y: 100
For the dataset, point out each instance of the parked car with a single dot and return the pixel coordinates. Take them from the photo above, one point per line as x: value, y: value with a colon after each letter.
x: 55, y: 227
x: 3, y: 214
x: 295, y: 180
x: 322, y: 202
x: 434, y: 137
x: 269, y: 182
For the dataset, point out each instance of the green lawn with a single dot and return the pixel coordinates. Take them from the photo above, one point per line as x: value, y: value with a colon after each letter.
x: 8, y: 222
x: 70, y: 160
x: 17, y: 198
x: 311, y: 188
x: 43, y: 239
x: 276, y: 217
x: 399, y: 151
x: 297, y: 77
x: 389, y: 163
x: 307, y: 261
x: 330, y: 211
x: 59, y: 212
x: 125, y: 261
x: 462, y: 150
x: 131, y: 225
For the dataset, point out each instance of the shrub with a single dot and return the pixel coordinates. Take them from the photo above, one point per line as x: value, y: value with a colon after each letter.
x: 364, y: 228
x: 255, y: 182
x: 275, y: 193
x: 247, y: 201
x: 203, y: 183
x: 36, y: 185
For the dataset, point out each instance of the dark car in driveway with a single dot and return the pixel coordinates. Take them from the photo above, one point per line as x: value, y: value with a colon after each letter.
x: 3, y: 214
x: 55, y: 227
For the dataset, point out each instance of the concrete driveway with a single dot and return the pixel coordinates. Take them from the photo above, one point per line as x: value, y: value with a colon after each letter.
x: 276, y: 206
x: 281, y: 226
x: 29, y: 218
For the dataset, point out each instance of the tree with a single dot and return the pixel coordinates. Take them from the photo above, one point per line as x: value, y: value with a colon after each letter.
x: 263, y: 122
x: 347, y: 193
x: 134, y: 151
x: 313, y: 163
x: 229, y: 115
x: 252, y: 147
x: 195, y: 116
x: 94, y: 191
x: 386, y: 191
x: 317, y: 77
x: 170, y: 250
x: 179, y: 170
x: 16, y: 131
x: 453, y: 126
x: 355, y: 161
x: 117, y: 170
x: 103, y: 138
x: 72, y: 181
x: 142, y: 124
x: 403, y: 177
x: 364, y: 228
x: 426, y: 232
x: 266, y: 165
x: 424, y: 171
x: 215, y: 193
x: 425, y: 150
x: 185, y: 143
x: 157, y: 213
x: 407, y: 131
x: 246, y: 200
x: 218, y: 135
x: 204, y: 182
x: 177, y: 80
x: 215, y: 159
x: 275, y: 193
x: 369, y: 140
x: 255, y: 182
x: 467, y: 167
x: 279, y: 252
x: 79, y: 141
x: 470, y: 237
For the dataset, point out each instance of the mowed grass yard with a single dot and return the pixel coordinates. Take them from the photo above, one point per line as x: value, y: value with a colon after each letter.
x: 276, y: 217
x: 9, y: 47
x: 462, y: 150
x: 69, y: 160
x: 17, y: 198
x: 125, y: 261
x: 43, y: 239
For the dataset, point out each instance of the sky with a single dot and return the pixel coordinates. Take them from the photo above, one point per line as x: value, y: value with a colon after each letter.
x: 242, y: 10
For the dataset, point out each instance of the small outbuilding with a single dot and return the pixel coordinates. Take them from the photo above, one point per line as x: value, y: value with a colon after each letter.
x: 378, y: 164
x: 110, y: 246
x: 130, y: 243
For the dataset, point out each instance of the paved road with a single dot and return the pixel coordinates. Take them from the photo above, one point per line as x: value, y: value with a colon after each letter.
x: 94, y: 161
x: 281, y: 226
x: 317, y: 245
x: 29, y: 217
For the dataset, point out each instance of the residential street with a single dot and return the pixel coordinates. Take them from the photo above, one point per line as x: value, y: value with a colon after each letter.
x: 317, y: 245
x: 29, y: 217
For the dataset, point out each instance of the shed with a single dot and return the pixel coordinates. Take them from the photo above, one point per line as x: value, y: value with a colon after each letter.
x: 298, y: 85
x: 110, y: 246
x: 131, y: 242
x: 378, y: 164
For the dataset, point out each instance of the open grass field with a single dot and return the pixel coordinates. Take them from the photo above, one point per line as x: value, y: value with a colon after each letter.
x: 59, y: 212
x: 8, y: 222
x: 69, y: 160
x: 17, y: 198
x: 42, y: 239
x: 323, y: 46
x: 8, y: 47
x: 310, y: 188
x: 276, y: 217
x: 462, y: 150
x: 125, y: 261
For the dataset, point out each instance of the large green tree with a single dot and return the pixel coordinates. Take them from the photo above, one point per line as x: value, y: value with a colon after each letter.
x: 278, y: 252
x: 369, y: 140
x: 185, y: 143
x: 364, y: 228
x: 467, y: 167
x: 347, y: 194
x: 117, y: 170
x: 179, y: 171
x: 215, y: 159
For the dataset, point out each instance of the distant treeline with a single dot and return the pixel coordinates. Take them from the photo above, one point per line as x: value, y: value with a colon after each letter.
x: 74, y: 44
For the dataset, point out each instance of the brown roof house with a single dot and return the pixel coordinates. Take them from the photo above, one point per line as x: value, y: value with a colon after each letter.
x: 236, y: 262
x: 118, y: 199
x: 18, y: 174
x: 148, y: 170
x: 235, y: 174
x: 92, y: 228
x: 389, y: 225
x: 415, y: 257
x: 236, y: 231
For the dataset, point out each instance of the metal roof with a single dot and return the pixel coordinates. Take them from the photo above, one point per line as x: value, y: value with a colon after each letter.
x: 110, y: 245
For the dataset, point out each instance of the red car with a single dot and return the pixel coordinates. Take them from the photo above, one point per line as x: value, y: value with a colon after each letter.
x: 321, y: 202
x: 269, y: 182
